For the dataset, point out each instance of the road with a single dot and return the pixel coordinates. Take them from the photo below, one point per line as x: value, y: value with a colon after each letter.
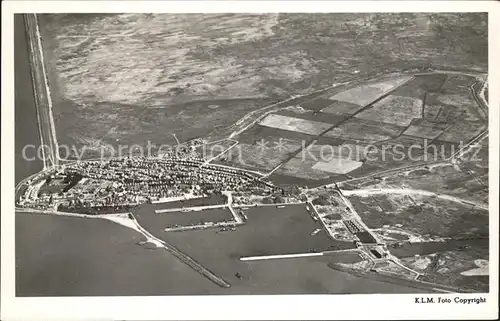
x: 471, y: 144
x: 26, y: 122
x: 405, y: 191
x: 235, y: 142
x: 478, y: 97
x: 43, y: 99
x: 385, y: 172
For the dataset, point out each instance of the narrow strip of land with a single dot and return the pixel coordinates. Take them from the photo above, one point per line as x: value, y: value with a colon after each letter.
x: 406, y: 191
x: 43, y: 100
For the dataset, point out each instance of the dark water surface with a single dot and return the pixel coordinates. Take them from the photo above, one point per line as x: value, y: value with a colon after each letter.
x: 26, y: 126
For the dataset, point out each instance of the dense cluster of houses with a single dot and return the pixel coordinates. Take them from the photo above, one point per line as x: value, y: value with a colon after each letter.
x: 129, y: 181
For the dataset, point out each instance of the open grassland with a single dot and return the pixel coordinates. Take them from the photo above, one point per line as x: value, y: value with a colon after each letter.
x: 422, y: 216
x: 467, y: 180
x: 462, y: 132
x: 457, y: 83
x: 316, y: 116
x: 127, y: 78
x: 476, y: 161
x: 216, y: 150
x: 466, y: 268
x: 392, y: 269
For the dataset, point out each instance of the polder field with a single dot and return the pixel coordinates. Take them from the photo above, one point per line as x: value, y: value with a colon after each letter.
x: 125, y: 79
x: 384, y: 123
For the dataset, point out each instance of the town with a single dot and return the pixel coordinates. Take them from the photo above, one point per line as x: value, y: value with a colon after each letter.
x: 118, y: 184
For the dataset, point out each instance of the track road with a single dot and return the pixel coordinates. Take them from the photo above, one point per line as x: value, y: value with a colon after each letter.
x: 43, y: 99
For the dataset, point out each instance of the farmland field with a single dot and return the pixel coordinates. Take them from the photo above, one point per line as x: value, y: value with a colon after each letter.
x: 364, y: 95
x: 341, y: 107
x: 316, y: 160
x: 295, y: 124
x: 423, y: 131
x: 314, y: 116
x: 394, y: 110
x: 407, y: 126
x: 264, y: 148
x: 338, y: 165
x: 366, y: 130
x: 421, y: 84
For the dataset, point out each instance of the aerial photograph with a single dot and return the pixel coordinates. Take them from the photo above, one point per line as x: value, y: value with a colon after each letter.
x: 243, y: 153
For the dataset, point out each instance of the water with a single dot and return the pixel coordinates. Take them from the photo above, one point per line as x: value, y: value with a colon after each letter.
x: 26, y: 126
